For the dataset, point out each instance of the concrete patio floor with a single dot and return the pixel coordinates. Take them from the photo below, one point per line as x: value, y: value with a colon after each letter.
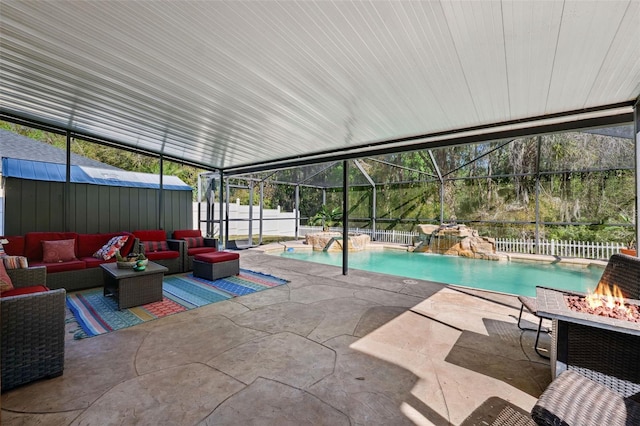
x: 324, y: 349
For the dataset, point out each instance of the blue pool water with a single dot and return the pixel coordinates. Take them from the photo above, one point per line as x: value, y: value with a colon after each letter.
x: 506, y: 277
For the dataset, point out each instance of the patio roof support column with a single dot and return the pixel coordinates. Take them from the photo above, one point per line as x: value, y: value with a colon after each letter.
x: 221, y: 234
x: 441, y: 179
x: 226, y: 216
x: 250, y: 212
x: 345, y: 217
x: 160, y: 195
x: 67, y: 187
x: 297, y: 207
x: 537, y: 236
x: 636, y: 130
x: 261, y: 211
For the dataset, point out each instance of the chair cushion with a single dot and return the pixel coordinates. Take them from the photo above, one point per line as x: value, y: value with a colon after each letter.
x: 215, y: 257
x: 33, y: 242
x: 151, y: 235
x: 24, y: 290
x: 186, y: 233
x: 88, y: 244
x: 71, y: 265
x: 159, y: 255
x: 200, y: 250
x: 15, y: 247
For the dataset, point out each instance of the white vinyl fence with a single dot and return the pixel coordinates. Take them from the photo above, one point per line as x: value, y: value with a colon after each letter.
x: 397, y: 237
x: 586, y: 250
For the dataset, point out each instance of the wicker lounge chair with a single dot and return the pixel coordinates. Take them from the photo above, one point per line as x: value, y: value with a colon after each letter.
x: 32, y: 331
x: 573, y: 399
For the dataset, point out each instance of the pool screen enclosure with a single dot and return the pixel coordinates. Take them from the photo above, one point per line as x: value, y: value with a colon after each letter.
x: 242, y: 87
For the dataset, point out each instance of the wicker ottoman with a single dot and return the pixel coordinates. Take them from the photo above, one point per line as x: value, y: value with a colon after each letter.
x: 219, y: 264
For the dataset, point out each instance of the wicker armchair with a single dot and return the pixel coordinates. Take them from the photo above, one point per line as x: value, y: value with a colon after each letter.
x: 32, y: 331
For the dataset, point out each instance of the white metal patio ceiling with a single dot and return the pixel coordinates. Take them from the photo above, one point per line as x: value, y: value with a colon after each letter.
x: 231, y: 84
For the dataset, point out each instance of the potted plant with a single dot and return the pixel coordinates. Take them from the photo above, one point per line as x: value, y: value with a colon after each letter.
x: 327, y: 218
x: 631, y: 245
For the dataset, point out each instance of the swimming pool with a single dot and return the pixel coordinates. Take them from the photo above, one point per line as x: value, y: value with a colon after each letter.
x: 507, y: 277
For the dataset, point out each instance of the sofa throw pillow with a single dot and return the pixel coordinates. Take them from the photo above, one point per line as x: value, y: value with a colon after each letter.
x: 151, y: 246
x: 194, y: 242
x: 5, y: 280
x: 58, y: 251
x: 113, y: 245
x: 2, y: 252
x: 15, y: 262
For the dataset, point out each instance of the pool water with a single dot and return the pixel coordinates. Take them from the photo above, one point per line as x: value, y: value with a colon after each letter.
x: 507, y: 277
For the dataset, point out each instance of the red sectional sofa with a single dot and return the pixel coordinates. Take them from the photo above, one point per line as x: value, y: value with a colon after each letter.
x: 195, y: 244
x: 157, y: 248
x: 71, y: 272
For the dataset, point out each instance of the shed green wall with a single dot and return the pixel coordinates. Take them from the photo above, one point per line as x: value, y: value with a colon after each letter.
x: 39, y: 206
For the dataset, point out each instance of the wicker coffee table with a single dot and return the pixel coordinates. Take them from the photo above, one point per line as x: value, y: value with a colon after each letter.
x: 130, y: 288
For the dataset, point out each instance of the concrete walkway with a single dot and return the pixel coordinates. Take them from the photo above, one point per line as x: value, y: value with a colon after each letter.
x: 325, y: 349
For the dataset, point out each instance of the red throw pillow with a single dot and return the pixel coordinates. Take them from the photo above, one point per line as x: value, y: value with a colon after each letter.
x: 5, y: 280
x: 151, y: 246
x: 58, y: 251
x: 194, y: 242
x: 109, y: 250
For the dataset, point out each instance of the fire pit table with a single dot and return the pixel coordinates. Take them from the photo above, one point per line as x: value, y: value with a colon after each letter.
x: 606, y: 350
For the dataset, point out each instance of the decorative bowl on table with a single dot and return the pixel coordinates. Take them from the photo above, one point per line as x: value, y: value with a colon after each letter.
x: 126, y: 264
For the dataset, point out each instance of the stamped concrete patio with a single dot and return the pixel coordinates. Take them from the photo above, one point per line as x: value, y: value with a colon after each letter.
x: 325, y: 349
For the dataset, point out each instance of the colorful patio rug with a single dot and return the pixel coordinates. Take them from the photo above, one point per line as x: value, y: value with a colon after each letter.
x: 97, y: 314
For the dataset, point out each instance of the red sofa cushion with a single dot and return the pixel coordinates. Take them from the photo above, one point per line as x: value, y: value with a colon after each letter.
x: 15, y: 246
x: 91, y: 243
x: 159, y: 255
x: 151, y: 235
x: 33, y: 243
x: 218, y: 256
x: 186, y: 233
x: 200, y: 250
x: 24, y: 290
x: 71, y: 265
x: 92, y: 262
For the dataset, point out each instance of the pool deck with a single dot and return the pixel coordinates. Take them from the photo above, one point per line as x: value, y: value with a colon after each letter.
x: 324, y: 349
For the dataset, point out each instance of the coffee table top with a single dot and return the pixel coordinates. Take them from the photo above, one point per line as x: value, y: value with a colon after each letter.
x: 113, y: 270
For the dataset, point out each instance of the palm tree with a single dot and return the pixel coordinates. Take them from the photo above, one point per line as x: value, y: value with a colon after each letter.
x: 327, y: 218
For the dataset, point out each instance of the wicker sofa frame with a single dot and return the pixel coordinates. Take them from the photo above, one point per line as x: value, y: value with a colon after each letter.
x: 32, y: 330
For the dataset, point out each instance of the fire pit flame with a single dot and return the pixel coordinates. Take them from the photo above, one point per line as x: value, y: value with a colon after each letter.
x: 610, y: 297
x: 605, y: 301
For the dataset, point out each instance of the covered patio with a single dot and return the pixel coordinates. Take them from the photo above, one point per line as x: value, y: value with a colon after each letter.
x: 244, y: 87
x: 325, y: 349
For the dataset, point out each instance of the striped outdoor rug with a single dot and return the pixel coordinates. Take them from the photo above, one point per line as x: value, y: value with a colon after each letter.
x: 97, y: 314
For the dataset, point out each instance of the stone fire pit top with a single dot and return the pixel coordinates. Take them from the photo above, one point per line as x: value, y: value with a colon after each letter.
x: 552, y: 305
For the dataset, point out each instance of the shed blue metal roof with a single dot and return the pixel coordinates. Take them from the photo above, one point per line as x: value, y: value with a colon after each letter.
x: 52, y: 172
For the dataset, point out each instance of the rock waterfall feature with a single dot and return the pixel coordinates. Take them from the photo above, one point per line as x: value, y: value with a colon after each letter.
x: 456, y: 240
x: 332, y: 241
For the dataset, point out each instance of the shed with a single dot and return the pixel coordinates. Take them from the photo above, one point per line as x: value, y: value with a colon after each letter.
x: 99, y: 199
